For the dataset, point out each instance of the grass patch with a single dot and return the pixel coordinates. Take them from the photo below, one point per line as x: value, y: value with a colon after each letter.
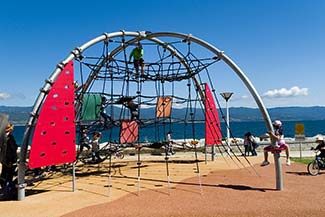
x: 304, y: 160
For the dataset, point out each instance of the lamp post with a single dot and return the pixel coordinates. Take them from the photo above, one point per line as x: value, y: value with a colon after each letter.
x: 226, y: 96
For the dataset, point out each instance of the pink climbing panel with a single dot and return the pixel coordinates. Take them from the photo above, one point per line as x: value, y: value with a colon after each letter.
x: 54, y: 136
x: 129, y: 132
x: 212, y: 123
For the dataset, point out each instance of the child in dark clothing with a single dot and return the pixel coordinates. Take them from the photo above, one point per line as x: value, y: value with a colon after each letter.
x: 320, y: 147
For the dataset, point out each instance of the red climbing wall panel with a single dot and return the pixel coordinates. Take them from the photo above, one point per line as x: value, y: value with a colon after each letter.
x: 129, y: 132
x: 212, y: 123
x: 54, y: 136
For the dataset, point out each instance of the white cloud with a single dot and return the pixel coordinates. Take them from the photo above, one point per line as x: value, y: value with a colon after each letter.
x: 286, y: 93
x: 4, y: 95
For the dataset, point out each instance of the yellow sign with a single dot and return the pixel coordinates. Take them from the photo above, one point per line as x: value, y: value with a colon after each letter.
x: 300, y: 129
x: 300, y: 132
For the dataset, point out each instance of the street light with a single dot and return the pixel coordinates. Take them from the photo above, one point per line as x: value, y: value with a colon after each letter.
x: 226, y: 96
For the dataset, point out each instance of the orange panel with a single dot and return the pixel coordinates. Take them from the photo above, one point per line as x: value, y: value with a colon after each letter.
x: 164, y: 107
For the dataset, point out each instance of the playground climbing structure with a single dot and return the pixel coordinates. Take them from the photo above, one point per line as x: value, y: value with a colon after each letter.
x: 96, y: 87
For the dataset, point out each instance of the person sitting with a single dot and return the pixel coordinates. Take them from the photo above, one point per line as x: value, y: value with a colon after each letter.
x: 320, y: 147
x: 137, y: 54
x: 95, y: 147
x: 280, y: 143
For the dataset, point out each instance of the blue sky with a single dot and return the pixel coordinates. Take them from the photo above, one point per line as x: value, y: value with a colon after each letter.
x: 279, y: 44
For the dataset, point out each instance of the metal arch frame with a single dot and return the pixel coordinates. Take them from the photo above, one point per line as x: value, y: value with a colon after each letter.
x: 132, y: 41
x: 137, y: 37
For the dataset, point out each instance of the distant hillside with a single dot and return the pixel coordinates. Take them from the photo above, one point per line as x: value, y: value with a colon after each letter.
x: 19, y: 115
x: 298, y: 113
x: 282, y: 113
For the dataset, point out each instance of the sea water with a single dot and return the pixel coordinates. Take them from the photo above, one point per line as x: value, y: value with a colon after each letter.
x: 197, y: 130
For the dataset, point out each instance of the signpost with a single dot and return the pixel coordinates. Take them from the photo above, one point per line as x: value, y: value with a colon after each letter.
x: 300, y: 135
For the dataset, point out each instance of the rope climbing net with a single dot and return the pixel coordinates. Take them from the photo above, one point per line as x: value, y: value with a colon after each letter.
x: 171, y: 72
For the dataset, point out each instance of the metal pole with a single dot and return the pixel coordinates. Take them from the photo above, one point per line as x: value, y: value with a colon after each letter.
x: 21, y: 181
x: 205, y: 154
x: 198, y: 168
x: 227, y: 119
x: 278, y: 171
x: 139, y: 169
x: 73, y: 177
x: 167, y: 168
x: 109, y: 174
x: 226, y: 96
x: 212, y: 153
x: 300, y: 150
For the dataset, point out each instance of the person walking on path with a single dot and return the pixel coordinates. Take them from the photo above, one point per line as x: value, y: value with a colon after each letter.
x: 250, y: 144
x: 247, y: 144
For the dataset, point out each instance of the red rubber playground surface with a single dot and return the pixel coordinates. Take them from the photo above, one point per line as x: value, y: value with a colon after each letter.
x: 234, y: 192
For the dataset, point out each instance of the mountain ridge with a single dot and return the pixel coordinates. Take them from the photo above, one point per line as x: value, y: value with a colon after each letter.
x: 19, y: 115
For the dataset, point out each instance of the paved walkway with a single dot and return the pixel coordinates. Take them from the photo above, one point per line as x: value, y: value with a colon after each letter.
x: 236, y: 192
x: 54, y: 197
